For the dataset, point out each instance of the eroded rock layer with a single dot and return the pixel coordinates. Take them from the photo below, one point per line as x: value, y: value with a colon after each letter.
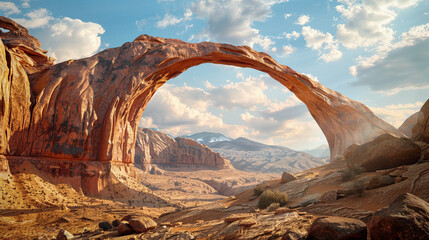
x: 89, y: 109
x: 154, y: 147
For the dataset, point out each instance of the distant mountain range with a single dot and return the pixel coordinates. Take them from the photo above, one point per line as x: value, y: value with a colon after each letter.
x: 321, y: 152
x: 208, y: 137
x: 251, y: 156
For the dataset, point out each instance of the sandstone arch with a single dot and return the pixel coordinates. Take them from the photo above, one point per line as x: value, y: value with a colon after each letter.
x: 89, y: 109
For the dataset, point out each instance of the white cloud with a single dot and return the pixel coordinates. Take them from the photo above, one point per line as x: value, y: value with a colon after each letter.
x: 71, y: 38
x: 167, y: 112
x: 35, y: 19
x: 245, y: 94
x: 397, y: 114
x: 295, y: 35
x: 25, y: 3
x: 284, y: 51
x: 302, y: 20
x: 168, y: 20
x: 287, y: 15
x: 188, y: 14
x: 398, y: 66
x: 9, y: 8
x: 367, y: 22
x: 140, y: 24
x: 322, y: 42
x: 231, y: 21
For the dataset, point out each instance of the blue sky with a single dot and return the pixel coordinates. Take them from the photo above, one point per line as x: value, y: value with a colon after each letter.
x: 372, y: 51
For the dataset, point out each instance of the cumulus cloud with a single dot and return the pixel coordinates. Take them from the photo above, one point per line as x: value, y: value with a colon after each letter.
x: 71, y: 38
x: 323, y: 42
x: 245, y: 94
x: 397, y: 114
x: 302, y: 20
x: 170, y: 20
x: 398, y: 66
x: 287, y: 15
x: 8, y: 8
x: 284, y: 51
x: 25, y: 3
x: 293, y: 35
x: 367, y: 22
x: 35, y: 19
x: 167, y: 112
x: 231, y: 21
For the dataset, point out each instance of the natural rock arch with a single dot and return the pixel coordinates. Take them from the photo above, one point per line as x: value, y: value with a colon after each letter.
x: 90, y: 108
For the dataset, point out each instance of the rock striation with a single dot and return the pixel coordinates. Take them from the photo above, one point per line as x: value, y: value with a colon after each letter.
x: 89, y: 109
x: 156, y: 148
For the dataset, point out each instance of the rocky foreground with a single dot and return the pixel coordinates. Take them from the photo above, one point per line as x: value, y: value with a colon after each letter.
x: 323, y: 203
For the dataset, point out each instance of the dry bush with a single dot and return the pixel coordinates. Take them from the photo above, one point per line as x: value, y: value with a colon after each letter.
x: 258, y: 190
x: 273, y: 207
x: 351, y: 172
x: 268, y: 197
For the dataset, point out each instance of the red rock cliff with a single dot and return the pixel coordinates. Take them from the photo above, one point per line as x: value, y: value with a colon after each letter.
x: 154, y: 147
x: 20, y: 54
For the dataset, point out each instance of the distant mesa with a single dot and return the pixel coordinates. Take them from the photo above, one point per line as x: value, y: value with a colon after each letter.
x: 157, y: 149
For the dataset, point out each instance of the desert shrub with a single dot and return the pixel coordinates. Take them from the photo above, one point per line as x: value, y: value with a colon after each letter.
x: 351, y: 172
x: 273, y: 207
x: 359, y: 187
x: 257, y: 191
x: 268, y: 197
x: 339, y: 158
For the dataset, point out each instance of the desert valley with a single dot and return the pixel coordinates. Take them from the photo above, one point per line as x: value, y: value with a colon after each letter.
x: 76, y: 162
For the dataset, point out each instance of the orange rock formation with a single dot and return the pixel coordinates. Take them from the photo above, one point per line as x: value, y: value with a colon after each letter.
x: 89, y: 109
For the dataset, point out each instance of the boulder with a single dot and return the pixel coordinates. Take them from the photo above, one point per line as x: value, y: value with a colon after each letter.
x: 116, y: 222
x: 124, y: 229
x: 287, y: 177
x: 408, y: 125
x: 142, y: 224
x: 380, y: 181
x: 350, y: 150
x: 105, y: 225
x: 420, y: 131
x: 329, y: 196
x: 386, y: 151
x: 64, y: 235
x: 337, y: 228
x: 407, y: 217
